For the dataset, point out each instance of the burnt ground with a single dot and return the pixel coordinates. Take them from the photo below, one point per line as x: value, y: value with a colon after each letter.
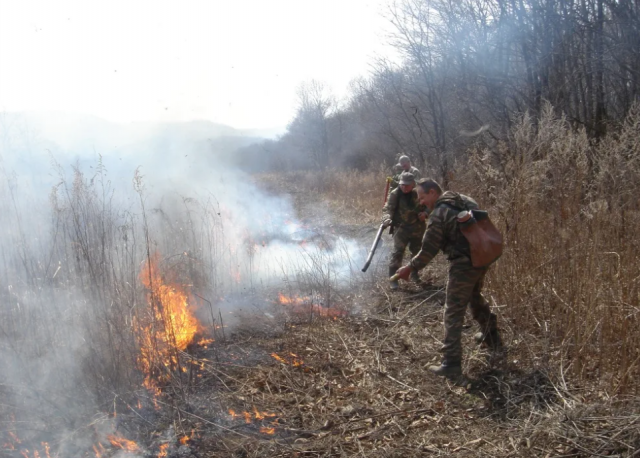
x: 357, y: 385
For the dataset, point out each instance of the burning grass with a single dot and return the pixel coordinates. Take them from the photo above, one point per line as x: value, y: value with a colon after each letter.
x: 308, y: 306
x: 166, y: 328
x: 326, y: 381
x: 362, y: 390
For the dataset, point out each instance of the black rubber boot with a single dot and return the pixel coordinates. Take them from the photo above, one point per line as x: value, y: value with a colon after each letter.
x: 490, y: 340
x: 415, y: 277
x: 490, y: 337
x: 449, y: 370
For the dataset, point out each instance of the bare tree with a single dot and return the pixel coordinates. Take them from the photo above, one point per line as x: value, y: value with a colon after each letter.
x: 309, y: 127
x: 468, y: 64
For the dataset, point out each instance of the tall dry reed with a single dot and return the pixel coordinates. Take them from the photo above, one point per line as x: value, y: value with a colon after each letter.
x: 568, y: 284
x: 570, y: 275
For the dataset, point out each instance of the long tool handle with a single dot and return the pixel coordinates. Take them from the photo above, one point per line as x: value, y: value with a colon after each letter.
x: 373, y: 248
x: 386, y: 191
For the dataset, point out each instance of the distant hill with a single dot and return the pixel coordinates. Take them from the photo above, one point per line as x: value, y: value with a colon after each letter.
x: 68, y: 130
x: 196, y: 148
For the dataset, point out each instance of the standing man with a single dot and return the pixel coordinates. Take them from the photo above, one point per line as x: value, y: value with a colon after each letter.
x: 465, y: 281
x: 407, y: 216
x: 404, y: 166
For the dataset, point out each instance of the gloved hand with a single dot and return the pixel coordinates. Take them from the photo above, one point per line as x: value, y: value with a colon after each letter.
x: 386, y: 223
x: 404, y: 272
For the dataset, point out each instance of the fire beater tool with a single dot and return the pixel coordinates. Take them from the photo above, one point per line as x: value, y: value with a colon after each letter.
x: 373, y: 247
x: 381, y: 229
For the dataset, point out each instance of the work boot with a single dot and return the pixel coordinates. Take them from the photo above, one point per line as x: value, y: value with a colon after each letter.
x: 393, y: 285
x: 415, y: 277
x: 490, y: 340
x: 451, y: 371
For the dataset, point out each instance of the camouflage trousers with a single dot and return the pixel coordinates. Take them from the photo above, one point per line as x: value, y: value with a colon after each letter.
x: 464, y: 287
x: 402, y: 237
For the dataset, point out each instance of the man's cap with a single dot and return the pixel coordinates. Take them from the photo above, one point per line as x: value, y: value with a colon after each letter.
x: 407, y: 178
x: 402, y: 160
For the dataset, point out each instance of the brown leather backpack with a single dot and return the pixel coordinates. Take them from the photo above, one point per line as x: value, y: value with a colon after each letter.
x: 485, y: 240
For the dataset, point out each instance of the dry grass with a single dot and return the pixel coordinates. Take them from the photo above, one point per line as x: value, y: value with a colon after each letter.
x: 569, y: 277
x: 569, y: 211
x: 357, y: 387
x: 566, y: 292
x: 352, y: 196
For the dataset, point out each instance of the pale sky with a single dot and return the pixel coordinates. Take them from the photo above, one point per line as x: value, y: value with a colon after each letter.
x: 233, y: 62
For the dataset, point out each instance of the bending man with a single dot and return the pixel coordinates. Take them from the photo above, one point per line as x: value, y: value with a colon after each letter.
x: 465, y: 281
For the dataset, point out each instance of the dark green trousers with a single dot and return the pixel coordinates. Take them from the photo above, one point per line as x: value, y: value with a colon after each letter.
x: 464, y: 287
x: 403, y: 237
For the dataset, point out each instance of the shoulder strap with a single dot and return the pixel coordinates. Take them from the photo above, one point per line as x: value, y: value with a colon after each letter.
x: 454, y: 207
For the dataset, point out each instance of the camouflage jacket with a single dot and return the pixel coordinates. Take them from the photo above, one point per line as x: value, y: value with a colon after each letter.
x: 396, y: 178
x: 402, y: 209
x: 443, y: 233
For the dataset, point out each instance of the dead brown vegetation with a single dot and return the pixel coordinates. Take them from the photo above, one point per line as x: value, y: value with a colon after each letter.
x: 566, y: 292
x: 352, y: 196
x: 358, y: 387
x: 568, y: 210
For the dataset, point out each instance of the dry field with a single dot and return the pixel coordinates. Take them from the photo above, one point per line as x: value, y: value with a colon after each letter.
x: 356, y: 386
x: 327, y: 366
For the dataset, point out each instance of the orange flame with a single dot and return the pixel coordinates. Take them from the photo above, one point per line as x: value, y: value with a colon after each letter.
x: 204, y: 342
x: 302, y: 304
x: 13, y: 440
x: 297, y: 300
x: 292, y: 359
x: 98, y: 452
x: 257, y: 415
x: 184, y: 440
x: 267, y: 430
x: 124, y: 444
x: 278, y: 358
x: 163, y: 450
x: 169, y: 327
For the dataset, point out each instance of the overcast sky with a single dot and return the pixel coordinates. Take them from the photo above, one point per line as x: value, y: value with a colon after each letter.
x: 236, y: 62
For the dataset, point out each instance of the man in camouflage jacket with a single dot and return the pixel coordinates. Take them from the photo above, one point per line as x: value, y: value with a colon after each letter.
x: 465, y: 281
x: 404, y: 166
x: 407, y: 216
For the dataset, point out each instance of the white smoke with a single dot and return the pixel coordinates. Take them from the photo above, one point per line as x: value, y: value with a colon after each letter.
x: 76, y: 228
